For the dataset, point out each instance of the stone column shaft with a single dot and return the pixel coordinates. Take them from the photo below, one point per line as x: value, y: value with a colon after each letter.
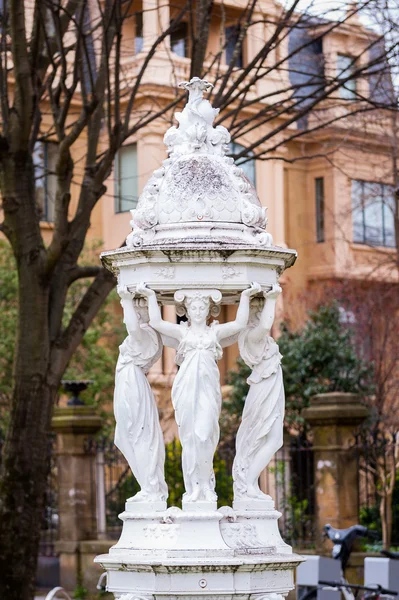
x: 76, y: 486
x: 164, y: 21
x: 334, y: 418
x: 150, y: 23
x: 170, y: 368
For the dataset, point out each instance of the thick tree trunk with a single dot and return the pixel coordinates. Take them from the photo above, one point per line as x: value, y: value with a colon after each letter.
x: 203, y: 13
x: 22, y: 490
x: 41, y: 356
x: 23, y: 476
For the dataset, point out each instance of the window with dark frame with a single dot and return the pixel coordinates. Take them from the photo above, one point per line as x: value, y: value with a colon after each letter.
x: 88, y: 55
x: 3, y: 15
x: 319, y: 195
x: 232, y: 35
x: 373, y: 208
x: 179, y: 40
x: 139, y: 39
x: 346, y: 68
x: 126, y: 179
x: 248, y: 166
x: 45, y: 156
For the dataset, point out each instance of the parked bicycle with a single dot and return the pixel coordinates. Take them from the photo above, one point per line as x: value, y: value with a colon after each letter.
x: 343, y: 540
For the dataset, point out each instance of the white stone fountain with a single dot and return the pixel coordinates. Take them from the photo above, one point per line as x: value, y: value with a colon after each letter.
x: 198, y: 240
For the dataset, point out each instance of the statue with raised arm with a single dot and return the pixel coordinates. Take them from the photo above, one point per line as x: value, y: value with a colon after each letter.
x: 260, y: 434
x: 196, y: 393
x: 138, y: 434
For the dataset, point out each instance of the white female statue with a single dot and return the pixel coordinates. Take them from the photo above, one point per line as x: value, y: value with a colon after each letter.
x: 196, y: 393
x: 260, y: 434
x: 138, y: 434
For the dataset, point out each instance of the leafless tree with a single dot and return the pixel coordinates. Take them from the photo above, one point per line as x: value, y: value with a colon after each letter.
x: 64, y: 78
x: 374, y: 312
x: 379, y: 464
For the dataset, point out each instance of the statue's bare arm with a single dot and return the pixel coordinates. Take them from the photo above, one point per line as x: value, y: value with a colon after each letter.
x: 165, y: 328
x: 170, y: 342
x: 129, y: 314
x: 227, y: 330
x: 267, y: 316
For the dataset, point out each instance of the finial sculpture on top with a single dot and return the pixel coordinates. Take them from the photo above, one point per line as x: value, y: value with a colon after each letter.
x: 199, y: 241
x: 198, y: 184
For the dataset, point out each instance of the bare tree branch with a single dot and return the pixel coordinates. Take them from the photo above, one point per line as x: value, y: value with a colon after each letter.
x: 21, y: 115
x: 83, y: 272
x: 87, y: 309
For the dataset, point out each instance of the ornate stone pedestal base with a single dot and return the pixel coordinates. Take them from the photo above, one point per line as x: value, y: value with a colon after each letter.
x: 177, y: 554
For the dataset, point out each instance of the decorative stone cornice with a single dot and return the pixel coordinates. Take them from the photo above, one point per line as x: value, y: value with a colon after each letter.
x: 335, y: 408
x: 76, y: 419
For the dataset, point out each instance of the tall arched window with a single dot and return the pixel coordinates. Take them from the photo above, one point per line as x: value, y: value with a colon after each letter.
x: 248, y: 166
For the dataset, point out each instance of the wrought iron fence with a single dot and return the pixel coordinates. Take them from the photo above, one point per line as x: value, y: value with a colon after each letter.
x: 289, y: 480
x: 50, y: 519
x: 296, y: 498
x: 378, y: 461
x: 115, y: 482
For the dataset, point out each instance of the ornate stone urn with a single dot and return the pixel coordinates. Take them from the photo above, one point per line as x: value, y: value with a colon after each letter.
x: 198, y: 240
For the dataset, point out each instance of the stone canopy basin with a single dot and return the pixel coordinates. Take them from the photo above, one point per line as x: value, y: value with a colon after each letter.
x: 228, y: 268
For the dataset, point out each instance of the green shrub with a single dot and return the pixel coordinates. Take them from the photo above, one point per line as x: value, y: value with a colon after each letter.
x: 318, y: 358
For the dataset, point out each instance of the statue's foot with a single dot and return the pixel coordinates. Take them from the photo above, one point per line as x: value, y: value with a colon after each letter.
x: 210, y: 496
x: 252, y: 499
x: 199, y: 495
x: 143, y: 496
x: 145, y: 501
x: 254, y: 492
x: 193, y: 497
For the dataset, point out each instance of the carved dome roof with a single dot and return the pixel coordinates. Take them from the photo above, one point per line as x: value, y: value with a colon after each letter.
x: 201, y: 187
x: 198, y: 184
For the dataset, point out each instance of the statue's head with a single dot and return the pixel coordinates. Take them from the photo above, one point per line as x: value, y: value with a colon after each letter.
x: 198, y: 305
x: 197, y: 309
x: 141, y: 308
x: 255, y: 310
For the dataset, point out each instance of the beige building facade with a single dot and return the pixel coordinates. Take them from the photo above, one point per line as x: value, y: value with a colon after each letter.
x: 328, y: 192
